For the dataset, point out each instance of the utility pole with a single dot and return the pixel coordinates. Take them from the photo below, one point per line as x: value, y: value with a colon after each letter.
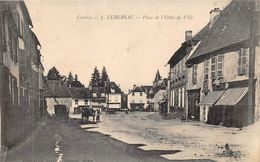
x: 251, y: 71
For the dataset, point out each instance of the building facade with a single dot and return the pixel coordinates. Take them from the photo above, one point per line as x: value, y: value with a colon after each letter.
x: 21, y: 74
x: 222, y: 63
x: 177, y: 94
x: 80, y: 97
x: 137, y: 98
x: 114, y: 96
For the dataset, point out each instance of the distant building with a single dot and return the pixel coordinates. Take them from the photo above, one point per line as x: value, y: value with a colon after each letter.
x: 177, y: 96
x: 80, y: 97
x: 159, y: 94
x: 57, y: 94
x: 114, y: 96
x: 137, y: 98
x: 98, y: 97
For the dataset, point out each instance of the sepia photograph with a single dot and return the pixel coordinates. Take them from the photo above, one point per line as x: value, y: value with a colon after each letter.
x: 130, y: 80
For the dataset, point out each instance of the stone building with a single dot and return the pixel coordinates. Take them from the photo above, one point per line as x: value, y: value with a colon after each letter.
x: 222, y: 67
x: 21, y: 74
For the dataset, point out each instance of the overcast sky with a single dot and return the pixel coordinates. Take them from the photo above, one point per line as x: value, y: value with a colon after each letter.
x: 131, y: 50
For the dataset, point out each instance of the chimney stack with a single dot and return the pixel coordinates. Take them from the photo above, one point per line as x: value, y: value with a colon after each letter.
x: 214, y: 14
x: 76, y: 77
x: 188, y: 35
x: 134, y: 86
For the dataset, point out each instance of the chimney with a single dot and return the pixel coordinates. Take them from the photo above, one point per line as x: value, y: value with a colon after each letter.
x: 76, y: 77
x: 134, y: 86
x: 214, y: 15
x: 188, y: 35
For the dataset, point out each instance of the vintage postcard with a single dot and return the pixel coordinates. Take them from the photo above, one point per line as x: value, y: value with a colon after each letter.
x: 130, y: 80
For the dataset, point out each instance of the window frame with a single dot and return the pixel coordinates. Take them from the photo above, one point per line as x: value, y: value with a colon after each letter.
x: 195, y: 73
x: 242, y: 68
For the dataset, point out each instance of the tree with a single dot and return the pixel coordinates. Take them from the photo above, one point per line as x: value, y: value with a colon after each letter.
x: 76, y: 82
x: 69, y: 79
x: 95, y: 78
x: 104, y: 77
x: 54, y: 74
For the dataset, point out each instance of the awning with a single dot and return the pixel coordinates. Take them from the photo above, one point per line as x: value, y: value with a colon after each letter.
x: 211, y: 98
x: 232, y: 96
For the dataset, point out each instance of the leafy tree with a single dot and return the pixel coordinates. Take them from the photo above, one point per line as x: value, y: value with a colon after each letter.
x: 54, y: 74
x: 104, y: 77
x: 95, y: 78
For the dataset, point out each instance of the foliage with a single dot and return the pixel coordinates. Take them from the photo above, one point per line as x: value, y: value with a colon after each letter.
x: 54, y: 74
x: 95, y: 78
x: 104, y: 77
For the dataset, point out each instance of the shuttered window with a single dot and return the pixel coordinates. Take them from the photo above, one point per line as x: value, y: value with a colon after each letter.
x: 243, y: 55
x: 194, y: 73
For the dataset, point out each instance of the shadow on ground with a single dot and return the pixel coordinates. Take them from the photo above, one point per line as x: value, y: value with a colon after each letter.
x: 136, y: 151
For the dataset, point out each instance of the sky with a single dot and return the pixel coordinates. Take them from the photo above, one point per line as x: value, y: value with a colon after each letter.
x: 131, y: 38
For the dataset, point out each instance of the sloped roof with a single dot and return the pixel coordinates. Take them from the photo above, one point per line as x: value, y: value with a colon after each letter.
x: 35, y: 38
x: 112, y: 85
x: 80, y: 93
x: 59, y: 92
x: 186, y: 47
x: 137, y: 89
x: 230, y: 29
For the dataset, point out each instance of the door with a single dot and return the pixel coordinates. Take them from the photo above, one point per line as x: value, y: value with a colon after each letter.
x: 193, y: 108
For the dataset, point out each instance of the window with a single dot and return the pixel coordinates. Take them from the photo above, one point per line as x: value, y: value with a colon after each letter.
x: 213, y: 67
x: 76, y: 102
x: 243, y: 55
x: 103, y: 95
x: 94, y: 94
x: 194, y: 73
x: 141, y: 94
x: 220, y: 60
x: 133, y: 94
x: 86, y: 102
x: 217, y: 66
x: 206, y: 70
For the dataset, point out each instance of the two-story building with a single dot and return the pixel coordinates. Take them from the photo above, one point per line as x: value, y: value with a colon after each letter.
x: 177, y: 96
x: 137, y: 98
x: 114, y: 96
x: 99, y: 96
x: 221, y: 62
x: 57, y: 94
x: 80, y: 96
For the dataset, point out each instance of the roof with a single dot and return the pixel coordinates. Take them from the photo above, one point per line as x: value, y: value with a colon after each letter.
x: 59, y: 92
x: 80, y: 93
x: 186, y: 47
x: 114, y: 86
x: 230, y: 30
x: 137, y: 89
x: 99, y: 89
x: 35, y: 38
x: 146, y: 87
x: 26, y: 12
